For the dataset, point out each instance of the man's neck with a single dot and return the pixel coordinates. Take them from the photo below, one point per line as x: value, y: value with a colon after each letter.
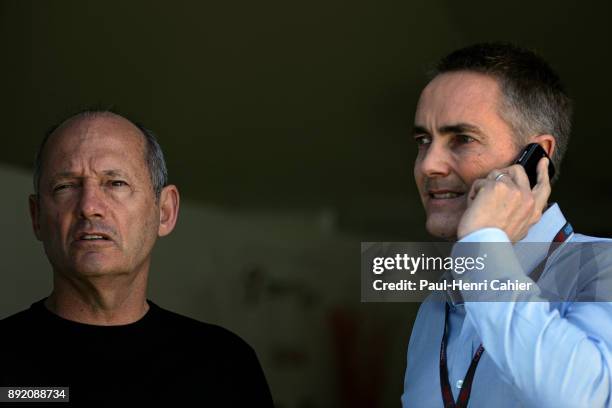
x: 108, y: 301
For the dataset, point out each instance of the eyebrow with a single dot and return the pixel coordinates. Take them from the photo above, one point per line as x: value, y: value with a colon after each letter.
x: 454, y: 128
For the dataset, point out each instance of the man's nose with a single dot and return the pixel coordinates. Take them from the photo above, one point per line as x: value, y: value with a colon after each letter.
x: 435, y: 161
x: 92, y: 201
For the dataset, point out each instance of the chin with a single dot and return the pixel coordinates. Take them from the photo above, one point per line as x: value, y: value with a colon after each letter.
x: 93, y: 272
x: 94, y: 268
x: 442, y: 227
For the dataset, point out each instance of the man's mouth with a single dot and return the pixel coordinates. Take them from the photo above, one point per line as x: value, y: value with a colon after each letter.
x: 93, y: 236
x: 445, y: 195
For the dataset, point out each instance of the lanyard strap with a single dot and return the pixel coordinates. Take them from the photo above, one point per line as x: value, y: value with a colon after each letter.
x: 466, y: 387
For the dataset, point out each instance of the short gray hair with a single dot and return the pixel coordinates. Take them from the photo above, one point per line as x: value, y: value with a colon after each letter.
x: 534, y: 99
x: 154, y: 156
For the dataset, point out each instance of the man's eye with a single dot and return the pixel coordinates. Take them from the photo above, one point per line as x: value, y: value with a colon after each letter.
x: 422, y: 140
x: 62, y: 187
x: 465, y: 139
x: 118, y: 183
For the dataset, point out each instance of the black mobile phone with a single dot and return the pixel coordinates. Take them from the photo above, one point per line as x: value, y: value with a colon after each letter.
x: 529, y: 159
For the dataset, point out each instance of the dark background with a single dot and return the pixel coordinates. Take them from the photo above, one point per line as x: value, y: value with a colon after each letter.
x: 297, y: 107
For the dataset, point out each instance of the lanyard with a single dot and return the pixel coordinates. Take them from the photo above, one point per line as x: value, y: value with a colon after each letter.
x: 466, y: 387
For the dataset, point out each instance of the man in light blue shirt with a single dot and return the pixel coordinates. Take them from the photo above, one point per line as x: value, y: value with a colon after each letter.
x: 484, y: 103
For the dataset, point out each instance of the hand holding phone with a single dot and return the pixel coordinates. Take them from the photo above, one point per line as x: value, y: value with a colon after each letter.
x: 506, y: 203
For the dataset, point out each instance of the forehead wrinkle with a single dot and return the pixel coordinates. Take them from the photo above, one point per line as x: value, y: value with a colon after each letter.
x: 77, y: 174
x: 100, y: 156
x: 98, y: 140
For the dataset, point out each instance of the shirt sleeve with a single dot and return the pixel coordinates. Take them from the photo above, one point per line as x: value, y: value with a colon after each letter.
x: 555, y: 359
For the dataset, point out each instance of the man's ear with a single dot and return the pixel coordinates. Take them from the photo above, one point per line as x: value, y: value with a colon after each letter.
x: 35, y: 214
x: 168, y: 209
x: 548, y: 142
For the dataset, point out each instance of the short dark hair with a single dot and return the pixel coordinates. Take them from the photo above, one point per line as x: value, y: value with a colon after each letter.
x: 534, y: 99
x: 154, y: 156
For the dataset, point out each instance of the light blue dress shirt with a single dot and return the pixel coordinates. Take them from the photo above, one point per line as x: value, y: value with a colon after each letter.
x: 537, y: 354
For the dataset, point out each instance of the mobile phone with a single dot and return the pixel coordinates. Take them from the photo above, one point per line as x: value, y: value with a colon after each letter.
x: 529, y: 159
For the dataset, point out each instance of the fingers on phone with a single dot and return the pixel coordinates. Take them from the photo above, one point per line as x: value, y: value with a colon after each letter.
x: 543, y: 170
x: 519, y: 176
x: 542, y: 189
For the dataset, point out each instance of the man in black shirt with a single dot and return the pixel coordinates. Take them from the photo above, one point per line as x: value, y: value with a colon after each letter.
x: 101, y: 201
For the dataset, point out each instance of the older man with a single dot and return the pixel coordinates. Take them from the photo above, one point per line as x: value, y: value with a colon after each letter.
x: 484, y: 103
x: 102, y: 200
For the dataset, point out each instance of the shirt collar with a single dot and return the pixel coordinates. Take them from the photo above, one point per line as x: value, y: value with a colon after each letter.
x: 543, y: 231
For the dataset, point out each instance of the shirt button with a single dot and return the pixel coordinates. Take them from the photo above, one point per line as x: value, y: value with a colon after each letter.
x: 459, y: 384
